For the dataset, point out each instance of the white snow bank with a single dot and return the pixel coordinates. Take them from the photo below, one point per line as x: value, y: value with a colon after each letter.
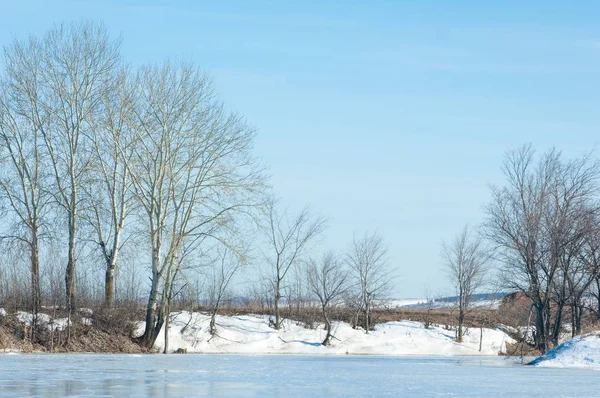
x: 252, y: 334
x: 581, y: 351
x: 2, y: 312
x: 43, y: 320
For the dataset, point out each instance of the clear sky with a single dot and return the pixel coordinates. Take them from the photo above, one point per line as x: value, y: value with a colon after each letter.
x: 383, y: 115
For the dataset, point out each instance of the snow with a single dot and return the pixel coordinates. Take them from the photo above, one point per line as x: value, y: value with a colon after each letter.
x: 2, y: 312
x: 87, y: 312
x: 44, y: 320
x: 581, y: 351
x: 251, y: 334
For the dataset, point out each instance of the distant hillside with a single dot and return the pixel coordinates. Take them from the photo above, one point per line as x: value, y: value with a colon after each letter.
x: 481, y: 300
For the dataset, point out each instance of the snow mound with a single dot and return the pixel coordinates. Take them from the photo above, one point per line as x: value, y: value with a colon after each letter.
x: 252, y: 334
x: 2, y: 312
x: 86, y: 312
x: 43, y: 320
x: 582, y: 351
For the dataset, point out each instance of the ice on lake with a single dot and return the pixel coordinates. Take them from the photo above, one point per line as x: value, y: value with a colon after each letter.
x: 284, y: 375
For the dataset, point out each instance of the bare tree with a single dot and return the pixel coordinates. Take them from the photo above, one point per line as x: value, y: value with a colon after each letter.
x: 328, y: 281
x: 515, y: 226
x: 288, y: 238
x: 192, y: 172
x: 226, y: 265
x: 367, y: 259
x: 109, y: 189
x: 537, y: 222
x: 73, y: 64
x: 465, y: 260
x: 23, y: 166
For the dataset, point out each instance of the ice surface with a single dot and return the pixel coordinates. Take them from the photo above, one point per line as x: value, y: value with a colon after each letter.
x: 582, y: 351
x: 61, y: 375
x: 252, y: 334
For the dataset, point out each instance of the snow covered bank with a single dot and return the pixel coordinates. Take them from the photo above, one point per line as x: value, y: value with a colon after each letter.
x: 43, y: 320
x: 252, y: 334
x: 582, y: 351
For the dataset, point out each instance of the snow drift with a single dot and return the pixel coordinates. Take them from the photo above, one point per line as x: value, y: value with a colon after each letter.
x: 581, y: 351
x: 252, y: 334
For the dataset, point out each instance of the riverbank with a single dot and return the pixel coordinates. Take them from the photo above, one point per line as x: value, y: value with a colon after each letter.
x: 251, y: 334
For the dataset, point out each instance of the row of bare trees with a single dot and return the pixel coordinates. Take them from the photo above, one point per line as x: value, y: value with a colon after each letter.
x: 359, y: 278
x: 99, y: 160
x: 96, y: 152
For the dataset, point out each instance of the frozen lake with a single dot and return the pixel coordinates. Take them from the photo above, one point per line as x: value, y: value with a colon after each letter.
x: 284, y: 375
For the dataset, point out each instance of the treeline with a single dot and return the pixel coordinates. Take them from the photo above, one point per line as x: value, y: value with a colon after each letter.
x: 544, y: 225
x: 541, y: 237
x: 140, y: 174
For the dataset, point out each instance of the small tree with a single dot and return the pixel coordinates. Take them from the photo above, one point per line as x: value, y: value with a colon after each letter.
x: 465, y: 260
x: 227, y: 264
x: 328, y: 281
x: 287, y: 238
x: 367, y: 259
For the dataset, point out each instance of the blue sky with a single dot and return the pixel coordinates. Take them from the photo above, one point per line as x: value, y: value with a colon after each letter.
x: 386, y: 115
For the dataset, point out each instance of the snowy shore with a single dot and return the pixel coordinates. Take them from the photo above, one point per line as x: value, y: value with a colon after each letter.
x: 579, y: 352
x: 252, y: 334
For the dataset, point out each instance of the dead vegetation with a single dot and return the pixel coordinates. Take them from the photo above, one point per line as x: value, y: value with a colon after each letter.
x: 109, y: 332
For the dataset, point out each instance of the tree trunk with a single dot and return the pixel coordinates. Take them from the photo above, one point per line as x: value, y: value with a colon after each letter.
x: 109, y: 287
x: 111, y: 267
x: 540, y: 335
x: 70, y: 274
x: 461, y: 318
x: 575, y: 319
x: 35, y: 279
x: 166, y: 350
x: 213, y: 316
x: 212, y: 326
x: 327, y: 340
x: 148, y: 338
x: 367, y: 317
x: 557, y: 325
x: 277, y: 297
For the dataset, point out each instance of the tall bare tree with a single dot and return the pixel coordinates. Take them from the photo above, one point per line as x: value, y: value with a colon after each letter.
x: 328, y: 280
x: 465, y: 260
x: 192, y: 172
x: 23, y: 170
x: 367, y: 259
x: 73, y: 65
x: 109, y: 189
x: 288, y: 238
